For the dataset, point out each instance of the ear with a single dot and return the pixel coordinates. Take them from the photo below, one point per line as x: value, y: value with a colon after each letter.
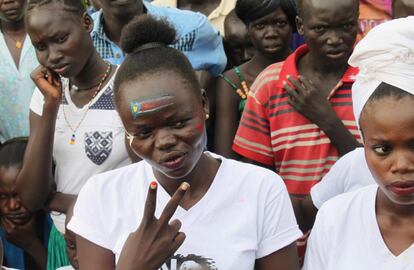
x: 299, y: 25
x: 87, y: 22
x: 205, y: 103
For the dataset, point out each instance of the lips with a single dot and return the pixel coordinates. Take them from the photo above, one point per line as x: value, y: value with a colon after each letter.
x: 173, y: 161
x: 60, y: 69
x: 402, y: 188
x: 338, y: 54
x: 18, y: 218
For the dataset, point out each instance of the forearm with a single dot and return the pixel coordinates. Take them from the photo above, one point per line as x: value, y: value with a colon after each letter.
x: 35, y: 180
x: 60, y: 202
x: 339, y: 135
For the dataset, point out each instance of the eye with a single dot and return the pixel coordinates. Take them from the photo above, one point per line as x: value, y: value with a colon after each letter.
x: 180, y: 124
x: 3, y: 197
x: 319, y: 29
x: 143, y: 134
x: 281, y: 23
x: 348, y: 26
x: 259, y: 26
x: 382, y: 150
x: 61, y: 39
x: 40, y: 47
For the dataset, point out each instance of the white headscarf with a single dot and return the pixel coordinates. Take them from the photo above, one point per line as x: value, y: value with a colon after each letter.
x: 386, y: 54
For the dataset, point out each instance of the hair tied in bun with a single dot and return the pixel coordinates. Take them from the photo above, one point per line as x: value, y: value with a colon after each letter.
x: 150, y: 45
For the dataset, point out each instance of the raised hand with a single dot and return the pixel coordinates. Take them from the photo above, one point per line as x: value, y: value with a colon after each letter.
x: 308, y: 101
x: 48, y: 83
x: 155, y: 240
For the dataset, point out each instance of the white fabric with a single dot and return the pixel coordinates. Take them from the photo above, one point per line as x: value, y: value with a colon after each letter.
x: 246, y: 214
x: 69, y: 267
x: 99, y: 147
x: 386, y: 54
x: 16, y: 88
x: 346, y: 236
x: 349, y: 173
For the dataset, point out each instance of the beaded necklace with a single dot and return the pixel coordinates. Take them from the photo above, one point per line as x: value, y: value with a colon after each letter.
x: 74, y: 129
x: 243, y: 94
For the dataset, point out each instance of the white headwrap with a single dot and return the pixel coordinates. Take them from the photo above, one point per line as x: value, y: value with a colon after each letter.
x: 386, y: 54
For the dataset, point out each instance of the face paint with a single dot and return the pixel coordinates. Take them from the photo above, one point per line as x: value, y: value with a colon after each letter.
x: 150, y: 105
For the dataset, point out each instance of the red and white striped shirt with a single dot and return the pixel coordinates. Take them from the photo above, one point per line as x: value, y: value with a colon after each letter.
x: 273, y: 133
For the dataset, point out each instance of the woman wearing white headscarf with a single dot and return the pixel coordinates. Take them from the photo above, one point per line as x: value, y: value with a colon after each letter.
x: 373, y: 228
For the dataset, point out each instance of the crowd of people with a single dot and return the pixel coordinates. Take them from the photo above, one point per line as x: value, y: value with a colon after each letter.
x: 206, y: 135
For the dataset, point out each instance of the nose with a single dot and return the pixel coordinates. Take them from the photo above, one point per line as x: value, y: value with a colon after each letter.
x: 271, y: 31
x: 55, y: 56
x: 334, y: 39
x: 14, y: 203
x: 403, y: 163
x: 165, y: 139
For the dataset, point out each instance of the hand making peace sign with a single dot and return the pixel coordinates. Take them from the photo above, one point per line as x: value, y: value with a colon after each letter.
x: 155, y: 240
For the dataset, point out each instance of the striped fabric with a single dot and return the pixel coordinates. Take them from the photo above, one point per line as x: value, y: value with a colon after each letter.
x: 273, y: 133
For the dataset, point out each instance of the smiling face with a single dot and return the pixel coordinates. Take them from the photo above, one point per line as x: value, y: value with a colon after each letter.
x: 12, y: 10
x: 61, y: 38
x: 10, y: 203
x: 330, y: 29
x: 388, y: 130
x: 271, y: 34
x: 167, y: 121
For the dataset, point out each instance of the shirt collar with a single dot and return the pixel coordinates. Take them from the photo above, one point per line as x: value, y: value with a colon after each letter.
x: 290, y: 67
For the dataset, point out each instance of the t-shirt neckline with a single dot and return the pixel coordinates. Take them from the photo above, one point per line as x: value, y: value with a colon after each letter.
x: 379, y: 240
x: 73, y: 106
x: 163, y: 197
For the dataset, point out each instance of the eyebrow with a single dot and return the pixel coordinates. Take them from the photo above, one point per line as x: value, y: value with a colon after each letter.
x: 150, y: 105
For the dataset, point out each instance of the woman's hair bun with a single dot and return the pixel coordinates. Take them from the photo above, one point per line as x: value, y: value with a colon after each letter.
x: 145, y: 29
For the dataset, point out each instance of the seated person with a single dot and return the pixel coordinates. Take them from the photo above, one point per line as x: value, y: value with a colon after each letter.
x: 23, y: 232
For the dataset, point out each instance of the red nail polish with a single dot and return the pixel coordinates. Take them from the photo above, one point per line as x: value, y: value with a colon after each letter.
x: 153, y: 185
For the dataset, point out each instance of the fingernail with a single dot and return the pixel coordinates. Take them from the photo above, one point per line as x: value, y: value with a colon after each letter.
x: 184, y: 186
x: 153, y: 185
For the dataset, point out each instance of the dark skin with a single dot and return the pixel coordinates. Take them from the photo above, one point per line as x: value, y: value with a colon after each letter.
x: 330, y: 29
x: 389, y: 153
x: 238, y: 46
x: 168, y: 133
x: 202, y: 6
x: 117, y: 14
x: 402, y: 8
x: 57, y: 35
x: 17, y: 222
x: 12, y: 25
x: 270, y: 36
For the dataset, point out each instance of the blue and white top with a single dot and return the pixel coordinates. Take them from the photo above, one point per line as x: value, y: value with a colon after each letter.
x: 197, y: 39
x: 16, y: 88
x: 99, y: 141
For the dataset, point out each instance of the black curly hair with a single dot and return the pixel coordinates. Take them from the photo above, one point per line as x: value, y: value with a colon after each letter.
x: 146, y: 41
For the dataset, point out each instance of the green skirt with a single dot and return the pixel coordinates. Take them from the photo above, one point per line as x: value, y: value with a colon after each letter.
x: 56, y: 250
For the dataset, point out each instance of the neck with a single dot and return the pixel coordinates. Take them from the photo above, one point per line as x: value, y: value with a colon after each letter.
x: 92, y: 72
x: 386, y: 206
x: 13, y: 27
x: 113, y: 23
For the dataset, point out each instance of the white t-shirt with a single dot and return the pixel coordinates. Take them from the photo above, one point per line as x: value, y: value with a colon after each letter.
x: 99, y: 145
x: 346, y: 236
x: 246, y: 214
x: 349, y: 173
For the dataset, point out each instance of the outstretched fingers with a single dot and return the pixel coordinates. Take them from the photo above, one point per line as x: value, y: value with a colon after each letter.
x: 172, y: 205
x: 150, y: 204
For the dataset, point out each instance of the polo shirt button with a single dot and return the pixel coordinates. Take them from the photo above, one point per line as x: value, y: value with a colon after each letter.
x: 118, y: 55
